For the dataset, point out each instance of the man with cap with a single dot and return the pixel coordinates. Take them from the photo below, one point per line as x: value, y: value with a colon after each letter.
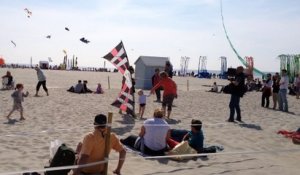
x: 93, y: 146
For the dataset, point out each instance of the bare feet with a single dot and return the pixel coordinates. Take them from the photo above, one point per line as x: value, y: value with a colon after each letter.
x: 22, y: 118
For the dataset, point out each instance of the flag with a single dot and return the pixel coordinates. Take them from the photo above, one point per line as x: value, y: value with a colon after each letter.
x: 118, y: 58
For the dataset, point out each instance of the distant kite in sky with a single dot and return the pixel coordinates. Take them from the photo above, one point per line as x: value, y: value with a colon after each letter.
x: 66, y: 28
x: 49, y: 59
x: 84, y: 40
x: 48, y: 36
x: 13, y: 43
x: 29, y: 13
x: 65, y: 52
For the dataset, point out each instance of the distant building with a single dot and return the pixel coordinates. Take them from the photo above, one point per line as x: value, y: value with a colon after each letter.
x: 144, y: 70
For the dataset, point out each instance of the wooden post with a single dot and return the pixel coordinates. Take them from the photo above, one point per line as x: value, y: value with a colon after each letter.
x: 108, y: 82
x: 107, y: 141
x: 187, y: 85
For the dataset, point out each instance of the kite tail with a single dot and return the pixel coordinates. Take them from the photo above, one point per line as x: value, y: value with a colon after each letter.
x: 231, y: 45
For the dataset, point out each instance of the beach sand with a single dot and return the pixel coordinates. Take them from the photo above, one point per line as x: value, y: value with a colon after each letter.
x: 68, y: 117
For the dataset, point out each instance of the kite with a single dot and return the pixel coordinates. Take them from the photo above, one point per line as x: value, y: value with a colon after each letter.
x: 66, y: 28
x: 84, y: 40
x: 118, y: 58
x: 65, y: 52
x: 29, y: 13
x: 231, y: 45
x: 49, y: 59
x: 48, y: 36
x: 13, y: 43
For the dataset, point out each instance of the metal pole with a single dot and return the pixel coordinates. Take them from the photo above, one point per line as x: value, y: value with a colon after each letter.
x: 107, y: 141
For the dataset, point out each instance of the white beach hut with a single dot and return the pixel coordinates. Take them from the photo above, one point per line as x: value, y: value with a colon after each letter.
x: 144, y: 70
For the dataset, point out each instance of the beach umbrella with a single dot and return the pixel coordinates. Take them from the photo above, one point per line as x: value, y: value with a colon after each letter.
x: 2, y: 61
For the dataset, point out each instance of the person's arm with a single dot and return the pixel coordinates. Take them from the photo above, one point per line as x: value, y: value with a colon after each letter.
x: 122, y: 155
x: 83, y: 158
x: 142, y: 132
x: 186, y: 137
x: 155, y: 87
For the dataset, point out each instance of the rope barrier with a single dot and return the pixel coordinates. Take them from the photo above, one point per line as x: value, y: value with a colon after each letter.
x: 149, y: 158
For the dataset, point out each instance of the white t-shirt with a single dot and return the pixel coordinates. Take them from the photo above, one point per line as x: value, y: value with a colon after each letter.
x: 142, y: 99
x: 284, y: 82
x: 155, y: 136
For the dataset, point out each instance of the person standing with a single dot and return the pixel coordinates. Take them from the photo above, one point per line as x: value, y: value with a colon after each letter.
x: 155, y: 81
x: 238, y: 90
x: 42, y: 81
x: 267, y: 89
x: 275, y: 87
x: 170, y: 92
x: 283, y: 87
x: 169, y: 69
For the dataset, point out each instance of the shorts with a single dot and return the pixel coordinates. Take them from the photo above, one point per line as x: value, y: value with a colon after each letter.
x: 168, y: 100
x: 142, y: 105
x: 18, y: 107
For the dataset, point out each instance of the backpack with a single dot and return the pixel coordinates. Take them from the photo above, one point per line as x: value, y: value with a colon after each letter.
x: 64, y: 156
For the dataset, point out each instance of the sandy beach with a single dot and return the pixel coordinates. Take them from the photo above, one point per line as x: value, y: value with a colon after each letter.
x: 68, y: 117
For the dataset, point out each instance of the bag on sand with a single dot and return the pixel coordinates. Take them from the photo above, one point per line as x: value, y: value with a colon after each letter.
x: 64, y: 156
x: 182, y: 148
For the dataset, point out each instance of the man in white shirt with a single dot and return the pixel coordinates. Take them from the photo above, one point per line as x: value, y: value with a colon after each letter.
x: 284, y: 83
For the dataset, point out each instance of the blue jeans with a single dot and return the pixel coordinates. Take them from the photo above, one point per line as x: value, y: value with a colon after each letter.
x: 282, y: 100
x: 234, y: 105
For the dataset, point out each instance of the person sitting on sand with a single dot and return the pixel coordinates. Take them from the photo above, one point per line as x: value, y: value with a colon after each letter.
x: 92, y: 149
x: 18, y: 97
x: 194, y: 137
x: 99, y: 89
x: 153, y: 135
x: 7, y: 80
x: 85, y: 88
x: 214, y: 88
x: 79, y: 87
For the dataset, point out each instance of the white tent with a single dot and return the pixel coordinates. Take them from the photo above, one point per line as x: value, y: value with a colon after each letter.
x: 144, y: 70
x: 44, y: 64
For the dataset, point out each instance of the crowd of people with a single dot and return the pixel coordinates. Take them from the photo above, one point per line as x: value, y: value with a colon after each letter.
x: 156, y: 137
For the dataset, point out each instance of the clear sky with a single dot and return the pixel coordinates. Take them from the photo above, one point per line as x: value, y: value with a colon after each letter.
x: 172, y: 28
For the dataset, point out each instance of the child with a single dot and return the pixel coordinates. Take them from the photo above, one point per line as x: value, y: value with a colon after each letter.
x: 142, y: 102
x: 99, y: 89
x: 18, y: 97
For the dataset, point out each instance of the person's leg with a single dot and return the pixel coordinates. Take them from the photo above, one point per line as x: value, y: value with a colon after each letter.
x: 268, y: 101
x: 164, y: 105
x: 285, y: 102
x: 274, y: 100
x: 231, y: 107
x: 280, y: 100
x: 263, y: 100
x: 142, y: 111
x: 45, y: 88
x: 38, y: 88
x: 169, y: 111
x: 157, y: 92
x: 22, y: 117
x: 237, y: 108
x: 10, y: 114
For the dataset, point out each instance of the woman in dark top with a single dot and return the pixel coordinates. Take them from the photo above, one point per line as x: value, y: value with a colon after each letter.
x: 275, y: 87
x: 9, y: 79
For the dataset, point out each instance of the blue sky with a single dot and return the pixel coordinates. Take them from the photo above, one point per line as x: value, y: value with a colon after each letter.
x: 172, y: 28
